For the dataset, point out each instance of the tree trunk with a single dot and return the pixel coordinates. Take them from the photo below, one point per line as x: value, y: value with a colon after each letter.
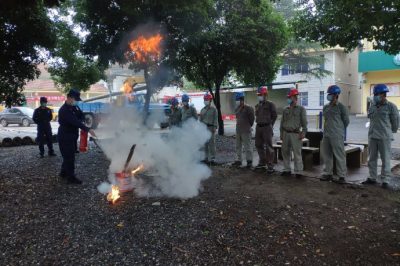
x: 217, y: 102
x: 146, y: 107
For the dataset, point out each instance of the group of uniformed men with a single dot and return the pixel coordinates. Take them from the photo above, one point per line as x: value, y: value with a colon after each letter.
x: 293, y: 128
x: 208, y: 116
x: 383, y: 115
x: 384, y: 121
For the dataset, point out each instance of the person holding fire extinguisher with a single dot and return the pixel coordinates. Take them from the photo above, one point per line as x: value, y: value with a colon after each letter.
x: 80, y: 116
x: 67, y: 132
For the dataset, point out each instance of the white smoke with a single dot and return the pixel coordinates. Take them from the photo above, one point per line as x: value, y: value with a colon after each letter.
x: 171, y: 157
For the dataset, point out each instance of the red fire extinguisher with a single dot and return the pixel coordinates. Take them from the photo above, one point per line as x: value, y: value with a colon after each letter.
x: 83, y: 142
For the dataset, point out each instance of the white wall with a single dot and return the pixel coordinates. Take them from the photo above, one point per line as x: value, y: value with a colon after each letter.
x: 344, y: 69
x: 313, y: 85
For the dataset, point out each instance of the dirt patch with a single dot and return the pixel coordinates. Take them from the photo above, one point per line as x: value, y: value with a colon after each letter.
x: 240, y: 217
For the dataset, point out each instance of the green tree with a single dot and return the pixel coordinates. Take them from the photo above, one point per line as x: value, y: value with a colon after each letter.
x: 242, y: 36
x: 347, y: 22
x: 113, y: 24
x: 25, y: 30
x: 299, y: 52
x: 68, y: 67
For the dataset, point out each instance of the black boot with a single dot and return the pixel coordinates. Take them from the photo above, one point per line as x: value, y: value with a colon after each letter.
x: 326, y: 178
x: 286, y: 173
x: 270, y: 170
x: 249, y: 164
x: 369, y: 181
x: 237, y: 163
x: 74, y: 180
x: 341, y: 180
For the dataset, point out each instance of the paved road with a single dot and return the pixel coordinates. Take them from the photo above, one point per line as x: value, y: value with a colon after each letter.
x: 356, y: 131
x: 13, y: 130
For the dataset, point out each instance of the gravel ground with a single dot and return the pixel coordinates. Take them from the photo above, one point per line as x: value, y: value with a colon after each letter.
x: 240, y: 217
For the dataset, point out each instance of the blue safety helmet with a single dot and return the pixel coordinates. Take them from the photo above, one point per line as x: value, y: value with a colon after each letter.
x: 174, y: 101
x: 185, y: 98
x: 380, y: 88
x: 239, y: 96
x: 334, y: 89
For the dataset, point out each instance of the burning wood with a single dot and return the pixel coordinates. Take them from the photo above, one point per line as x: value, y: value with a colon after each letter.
x: 138, y: 169
x: 113, y: 196
x: 129, y: 84
x: 124, y: 179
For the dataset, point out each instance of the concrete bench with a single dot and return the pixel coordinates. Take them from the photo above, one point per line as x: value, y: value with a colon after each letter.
x: 353, y: 156
x: 306, y: 142
x: 309, y: 155
x: 277, y: 152
x: 364, y: 152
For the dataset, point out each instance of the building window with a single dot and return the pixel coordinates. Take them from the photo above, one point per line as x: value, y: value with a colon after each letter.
x: 321, y: 98
x: 322, y: 65
x: 301, y: 68
x: 285, y: 70
x: 294, y: 69
x: 304, y: 98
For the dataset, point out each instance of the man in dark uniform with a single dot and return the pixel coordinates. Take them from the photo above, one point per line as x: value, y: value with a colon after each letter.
x: 80, y: 116
x: 67, y: 132
x: 266, y: 115
x: 42, y: 117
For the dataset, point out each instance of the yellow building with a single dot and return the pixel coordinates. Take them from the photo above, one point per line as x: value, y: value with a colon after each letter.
x: 378, y: 67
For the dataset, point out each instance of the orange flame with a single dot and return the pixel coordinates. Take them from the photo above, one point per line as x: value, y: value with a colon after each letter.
x: 146, y: 48
x: 113, y: 195
x: 138, y: 169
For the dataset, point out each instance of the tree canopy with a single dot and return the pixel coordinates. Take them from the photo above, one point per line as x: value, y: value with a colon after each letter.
x: 299, y: 52
x: 242, y: 36
x: 111, y: 23
x: 68, y: 67
x: 347, y: 22
x: 25, y: 29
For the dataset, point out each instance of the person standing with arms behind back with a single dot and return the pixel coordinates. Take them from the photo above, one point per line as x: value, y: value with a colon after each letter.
x: 67, y: 131
x: 384, y: 121
x: 209, y: 116
x: 265, y: 118
x: 244, y: 123
x: 42, y: 117
x: 175, y: 117
x: 187, y: 110
x: 293, y: 129
x: 336, y: 118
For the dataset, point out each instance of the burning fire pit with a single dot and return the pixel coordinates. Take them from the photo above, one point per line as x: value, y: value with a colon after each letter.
x: 124, y: 179
x: 145, y: 51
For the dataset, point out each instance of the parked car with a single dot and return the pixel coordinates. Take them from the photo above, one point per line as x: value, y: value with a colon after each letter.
x: 17, y: 115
